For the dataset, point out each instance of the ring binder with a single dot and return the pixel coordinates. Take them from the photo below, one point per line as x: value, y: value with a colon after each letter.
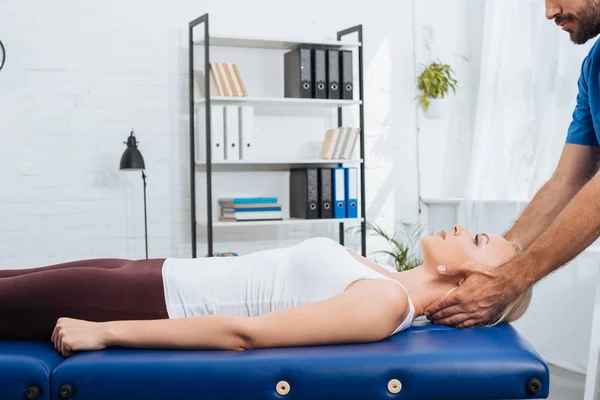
x: 346, y: 74
x: 298, y: 73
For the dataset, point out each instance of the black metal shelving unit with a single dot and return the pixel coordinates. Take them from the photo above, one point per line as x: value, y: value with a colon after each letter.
x: 204, y: 20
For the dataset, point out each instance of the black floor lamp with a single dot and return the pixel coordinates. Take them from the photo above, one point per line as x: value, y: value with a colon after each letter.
x: 132, y: 160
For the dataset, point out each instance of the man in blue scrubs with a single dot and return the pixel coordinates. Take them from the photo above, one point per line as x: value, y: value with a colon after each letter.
x: 563, y: 218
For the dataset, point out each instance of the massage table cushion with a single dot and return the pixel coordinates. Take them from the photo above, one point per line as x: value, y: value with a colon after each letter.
x: 25, y: 370
x: 429, y: 362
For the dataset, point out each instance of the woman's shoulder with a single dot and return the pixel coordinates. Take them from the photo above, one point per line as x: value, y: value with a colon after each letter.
x: 384, y: 289
x: 383, y: 294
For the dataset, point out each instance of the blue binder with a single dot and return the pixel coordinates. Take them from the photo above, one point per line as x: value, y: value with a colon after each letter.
x: 339, y: 192
x: 351, y: 175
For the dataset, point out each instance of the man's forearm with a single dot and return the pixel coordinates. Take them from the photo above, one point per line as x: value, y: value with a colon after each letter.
x: 575, y: 228
x: 547, y: 204
x: 205, y: 332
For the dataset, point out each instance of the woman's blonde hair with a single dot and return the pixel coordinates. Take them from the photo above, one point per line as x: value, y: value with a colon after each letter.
x: 516, y: 309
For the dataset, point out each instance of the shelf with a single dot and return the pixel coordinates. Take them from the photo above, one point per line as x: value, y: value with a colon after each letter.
x: 275, y: 164
x: 292, y: 221
x: 274, y: 44
x: 441, y: 201
x: 268, y: 103
x: 276, y: 101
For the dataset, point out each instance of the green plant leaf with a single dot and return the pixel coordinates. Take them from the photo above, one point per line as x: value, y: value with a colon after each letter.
x: 435, y: 81
x: 400, y: 249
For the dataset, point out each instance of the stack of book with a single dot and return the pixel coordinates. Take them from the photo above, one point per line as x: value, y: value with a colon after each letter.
x: 250, y: 209
x: 339, y: 143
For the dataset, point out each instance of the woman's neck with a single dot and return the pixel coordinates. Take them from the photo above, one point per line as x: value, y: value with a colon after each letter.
x: 424, y: 286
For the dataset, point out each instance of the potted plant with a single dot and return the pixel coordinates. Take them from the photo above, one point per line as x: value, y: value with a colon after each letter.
x: 401, y: 253
x: 434, y: 83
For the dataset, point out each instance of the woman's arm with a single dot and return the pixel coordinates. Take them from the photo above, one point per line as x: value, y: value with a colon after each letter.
x: 206, y: 332
x: 366, y: 312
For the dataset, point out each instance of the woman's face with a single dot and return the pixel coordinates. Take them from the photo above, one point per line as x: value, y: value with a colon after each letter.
x: 460, y: 246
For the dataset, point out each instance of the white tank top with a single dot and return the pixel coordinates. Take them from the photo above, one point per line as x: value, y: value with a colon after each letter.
x: 264, y: 281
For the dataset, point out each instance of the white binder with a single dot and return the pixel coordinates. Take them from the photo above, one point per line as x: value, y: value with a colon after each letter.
x: 232, y: 133
x: 247, y: 132
x: 217, y: 134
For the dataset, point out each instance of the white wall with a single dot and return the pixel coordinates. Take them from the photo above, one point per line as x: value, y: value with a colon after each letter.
x: 80, y: 75
x: 449, y: 32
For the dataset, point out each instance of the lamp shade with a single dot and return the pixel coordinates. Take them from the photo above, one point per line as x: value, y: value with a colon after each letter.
x: 2, y: 55
x: 132, y: 158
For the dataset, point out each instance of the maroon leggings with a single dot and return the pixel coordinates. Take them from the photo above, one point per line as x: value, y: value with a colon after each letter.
x: 31, y: 300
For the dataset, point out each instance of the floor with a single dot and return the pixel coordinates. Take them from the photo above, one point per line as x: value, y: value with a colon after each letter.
x: 565, y: 384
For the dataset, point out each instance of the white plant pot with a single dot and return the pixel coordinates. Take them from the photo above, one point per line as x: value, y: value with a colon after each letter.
x: 437, y: 109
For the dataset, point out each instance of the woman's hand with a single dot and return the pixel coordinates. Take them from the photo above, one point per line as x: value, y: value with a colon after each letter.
x: 71, y: 335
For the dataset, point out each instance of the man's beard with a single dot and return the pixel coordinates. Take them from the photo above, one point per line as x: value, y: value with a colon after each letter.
x: 586, y: 24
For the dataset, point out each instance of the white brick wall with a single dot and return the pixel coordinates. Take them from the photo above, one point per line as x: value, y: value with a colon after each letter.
x: 79, y: 75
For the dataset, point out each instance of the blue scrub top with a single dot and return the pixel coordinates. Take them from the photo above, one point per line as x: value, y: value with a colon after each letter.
x: 585, y: 127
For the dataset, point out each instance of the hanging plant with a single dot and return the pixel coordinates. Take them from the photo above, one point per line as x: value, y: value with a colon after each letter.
x: 435, y: 82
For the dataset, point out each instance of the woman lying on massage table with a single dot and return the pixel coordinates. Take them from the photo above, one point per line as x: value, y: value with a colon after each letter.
x: 314, y: 293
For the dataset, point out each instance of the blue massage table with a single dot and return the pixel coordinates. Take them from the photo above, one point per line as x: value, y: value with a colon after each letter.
x: 426, y: 362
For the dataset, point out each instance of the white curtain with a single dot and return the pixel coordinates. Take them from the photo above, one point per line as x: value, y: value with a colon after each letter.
x: 527, y: 91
